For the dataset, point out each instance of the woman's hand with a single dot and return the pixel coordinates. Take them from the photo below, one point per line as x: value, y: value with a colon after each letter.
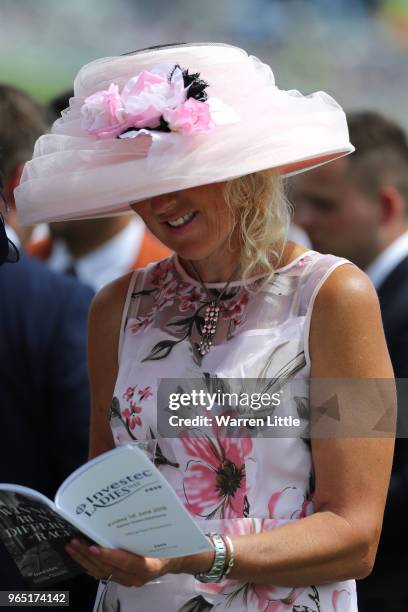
x: 123, y: 567
x: 129, y: 569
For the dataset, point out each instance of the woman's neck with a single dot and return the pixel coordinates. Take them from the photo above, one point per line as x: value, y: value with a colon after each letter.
x: 212, y: 269
x: 223, y: 267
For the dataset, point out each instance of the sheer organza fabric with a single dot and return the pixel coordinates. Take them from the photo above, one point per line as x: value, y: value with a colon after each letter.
x: 76, y: 175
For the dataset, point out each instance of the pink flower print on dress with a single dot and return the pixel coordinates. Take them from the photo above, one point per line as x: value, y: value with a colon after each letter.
x: 341, y: 600
x: 132, y: 415
x: 145, y: 393
x: 165, y: 295
x: 289, y: 503
x: 162, y: 273
x: 128, y: 394
x: 189, y: 299
x: 234, y: 308
x: 135, y: 408
x: 215, y: 482
x: 166, y: 286
x: 192, y: 117
x: 303, y: 261
x: 141, y: 323
x: 269, y: 599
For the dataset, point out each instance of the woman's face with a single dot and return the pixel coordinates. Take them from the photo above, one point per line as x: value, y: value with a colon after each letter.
x: 195, y: 223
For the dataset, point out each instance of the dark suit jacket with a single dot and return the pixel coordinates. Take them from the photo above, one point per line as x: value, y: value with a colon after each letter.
x: 388, y: 584
x: 44, y: 394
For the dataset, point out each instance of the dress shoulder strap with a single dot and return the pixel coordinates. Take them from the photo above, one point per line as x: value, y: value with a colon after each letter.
x: 137, y: 284
x: 131, y: 288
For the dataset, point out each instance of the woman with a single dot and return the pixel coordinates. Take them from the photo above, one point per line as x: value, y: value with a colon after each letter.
x: 235, y: 301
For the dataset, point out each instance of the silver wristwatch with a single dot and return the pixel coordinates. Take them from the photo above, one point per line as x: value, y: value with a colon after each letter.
x: 216, y: 572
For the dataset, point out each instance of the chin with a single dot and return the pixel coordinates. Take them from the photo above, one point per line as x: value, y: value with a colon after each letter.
x: 192, y: 251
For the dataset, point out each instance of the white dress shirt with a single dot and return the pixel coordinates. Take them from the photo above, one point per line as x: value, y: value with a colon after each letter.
x: 388, y: 260
x: 102, y: 265
x: 11, y: 234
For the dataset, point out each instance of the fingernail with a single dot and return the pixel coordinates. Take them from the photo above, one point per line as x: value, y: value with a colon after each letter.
x: 94, y: 550
x: 75, y: 543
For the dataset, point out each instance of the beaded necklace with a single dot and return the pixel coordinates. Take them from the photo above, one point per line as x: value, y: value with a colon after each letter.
x: 211, y: 314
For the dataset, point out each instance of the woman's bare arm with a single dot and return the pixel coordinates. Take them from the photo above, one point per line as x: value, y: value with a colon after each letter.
x: 105, y: 318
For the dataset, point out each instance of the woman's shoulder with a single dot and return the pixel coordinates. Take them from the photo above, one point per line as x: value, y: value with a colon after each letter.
x: 346, y: 333
x: 333, y: 280
x: 332, y: 286
x: 346, y: 283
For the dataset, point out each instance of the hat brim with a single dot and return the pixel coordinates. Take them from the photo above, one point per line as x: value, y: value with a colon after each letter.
x: 72, y: 204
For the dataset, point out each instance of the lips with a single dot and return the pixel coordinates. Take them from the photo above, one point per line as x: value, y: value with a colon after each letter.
x: 180, y: 221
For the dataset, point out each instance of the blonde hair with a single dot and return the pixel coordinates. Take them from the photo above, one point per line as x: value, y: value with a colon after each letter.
x: 263, y: 213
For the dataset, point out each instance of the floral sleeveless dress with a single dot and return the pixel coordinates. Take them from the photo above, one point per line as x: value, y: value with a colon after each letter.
x: 231, y: 485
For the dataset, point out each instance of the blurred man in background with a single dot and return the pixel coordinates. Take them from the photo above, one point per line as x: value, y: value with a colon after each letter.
x: 357, y: 207
x: 96, y: 250
x: 22, y: 121
x: 44, y: 391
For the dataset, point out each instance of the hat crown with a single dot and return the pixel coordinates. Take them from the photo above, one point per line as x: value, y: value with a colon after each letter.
x: 214, y: 61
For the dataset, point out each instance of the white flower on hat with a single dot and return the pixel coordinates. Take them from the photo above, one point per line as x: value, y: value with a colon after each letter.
x: 148, y: 94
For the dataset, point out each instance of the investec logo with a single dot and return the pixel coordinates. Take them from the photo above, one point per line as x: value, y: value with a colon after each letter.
x: 114, y: 493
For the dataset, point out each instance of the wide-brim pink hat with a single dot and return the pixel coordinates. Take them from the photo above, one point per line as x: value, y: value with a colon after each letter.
x: 109, y: 148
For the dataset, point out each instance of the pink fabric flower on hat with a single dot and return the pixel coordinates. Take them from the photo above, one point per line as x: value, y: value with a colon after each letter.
x: 192, y: 117
x: 108, y: 113
x: 102, y: 113
x: 156, y: 100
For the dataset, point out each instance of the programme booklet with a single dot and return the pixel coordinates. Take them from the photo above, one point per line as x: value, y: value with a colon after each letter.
x: 118, y: 500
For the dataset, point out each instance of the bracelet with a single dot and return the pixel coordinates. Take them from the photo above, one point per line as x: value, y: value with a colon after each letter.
x: 216, y: 571
x: 231, y: 556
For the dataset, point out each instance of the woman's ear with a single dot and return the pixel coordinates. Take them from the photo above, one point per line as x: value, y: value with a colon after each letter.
x: 393, y: 207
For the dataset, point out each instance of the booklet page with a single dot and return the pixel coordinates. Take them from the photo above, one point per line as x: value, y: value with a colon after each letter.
x: 121, y: 500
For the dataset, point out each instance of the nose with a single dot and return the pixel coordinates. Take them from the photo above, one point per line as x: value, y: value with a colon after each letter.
x: 163, y: 203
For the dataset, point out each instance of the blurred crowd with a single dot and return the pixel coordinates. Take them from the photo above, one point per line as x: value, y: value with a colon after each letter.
x: 354, y: 49
x: 356, y: 207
